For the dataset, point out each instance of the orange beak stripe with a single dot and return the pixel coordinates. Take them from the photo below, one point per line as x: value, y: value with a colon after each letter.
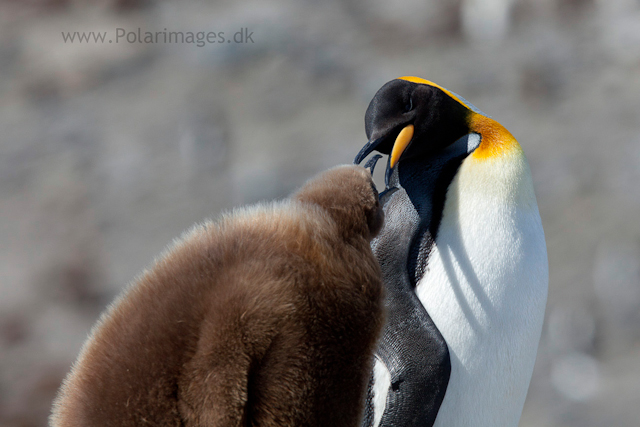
x: 402, y: 141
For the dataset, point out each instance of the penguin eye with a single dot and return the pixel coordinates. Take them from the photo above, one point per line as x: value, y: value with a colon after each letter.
x: 408, y: 106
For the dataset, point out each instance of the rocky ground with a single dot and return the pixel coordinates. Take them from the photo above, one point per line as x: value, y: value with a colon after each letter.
x: 111, y: 150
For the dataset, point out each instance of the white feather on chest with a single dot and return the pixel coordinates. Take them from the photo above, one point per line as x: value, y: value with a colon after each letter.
x: 486, y: 288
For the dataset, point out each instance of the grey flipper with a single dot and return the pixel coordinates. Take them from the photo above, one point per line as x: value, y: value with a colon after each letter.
x: 411, y: 347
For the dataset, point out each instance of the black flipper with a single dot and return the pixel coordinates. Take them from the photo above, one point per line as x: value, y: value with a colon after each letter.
x: 411, y: 347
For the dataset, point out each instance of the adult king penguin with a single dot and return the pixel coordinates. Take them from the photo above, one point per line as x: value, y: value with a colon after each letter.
x: 464, y: 263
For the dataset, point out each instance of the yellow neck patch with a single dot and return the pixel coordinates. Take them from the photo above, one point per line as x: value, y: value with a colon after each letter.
x: 496, y: 139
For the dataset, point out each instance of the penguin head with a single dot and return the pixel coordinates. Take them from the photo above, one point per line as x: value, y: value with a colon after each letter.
x: 349, y: 196
x: 412, y: 118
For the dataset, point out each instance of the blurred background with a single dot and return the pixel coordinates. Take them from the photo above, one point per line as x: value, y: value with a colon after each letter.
x: 108, y: 151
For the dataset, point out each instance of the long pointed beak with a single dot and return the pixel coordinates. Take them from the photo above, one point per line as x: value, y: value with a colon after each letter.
x: 399, y: 146
x: 366, y: 150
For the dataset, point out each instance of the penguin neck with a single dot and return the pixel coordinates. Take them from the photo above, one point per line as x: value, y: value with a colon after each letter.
x: 426, y: 188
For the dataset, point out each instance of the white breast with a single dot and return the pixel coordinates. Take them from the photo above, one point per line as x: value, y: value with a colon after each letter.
x: 486, y: 289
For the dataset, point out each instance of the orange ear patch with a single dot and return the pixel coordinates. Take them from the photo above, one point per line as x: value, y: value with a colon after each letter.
x: 496, y: 139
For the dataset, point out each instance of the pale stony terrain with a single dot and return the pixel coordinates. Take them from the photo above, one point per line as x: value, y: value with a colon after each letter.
x: 109, y: 151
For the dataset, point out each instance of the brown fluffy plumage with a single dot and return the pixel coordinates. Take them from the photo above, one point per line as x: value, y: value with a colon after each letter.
x: 268, y: 317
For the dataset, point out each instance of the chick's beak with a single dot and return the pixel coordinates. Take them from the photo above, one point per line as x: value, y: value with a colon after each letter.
x: 371, y: 163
